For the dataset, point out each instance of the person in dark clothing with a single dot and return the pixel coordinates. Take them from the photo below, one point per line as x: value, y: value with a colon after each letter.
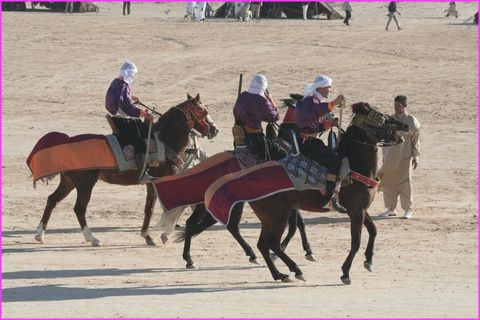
x: 126, y: 5
x: 348, y: 12
x: 253, y: 107
x: 392, y: 9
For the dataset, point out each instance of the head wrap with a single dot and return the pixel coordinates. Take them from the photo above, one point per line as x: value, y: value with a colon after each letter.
x: 128, y: 71
x: 320, y: 82
x: 258, y: 85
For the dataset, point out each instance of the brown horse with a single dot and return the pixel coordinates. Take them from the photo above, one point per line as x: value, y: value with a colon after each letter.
x: 367, y: 130
x: 174, y: 128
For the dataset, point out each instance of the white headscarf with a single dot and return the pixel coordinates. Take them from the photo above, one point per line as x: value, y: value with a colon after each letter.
x: 320, y: 82
x: 128, y: 71
x: 258, y: 85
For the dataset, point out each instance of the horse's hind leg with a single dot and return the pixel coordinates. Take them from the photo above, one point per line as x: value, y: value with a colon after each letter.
x: 292, y: 228
x: 84, y: 182
x: 64, y: 188
x: 148, y: 212
x: 372, y: 233
x: 274, y: 245
x: 232, y: 227
x: 305, y: 244
x: 296, y: 221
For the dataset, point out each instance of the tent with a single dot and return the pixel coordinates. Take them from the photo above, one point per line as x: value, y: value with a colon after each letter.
x: 54, y: 6
x: 292, y: 10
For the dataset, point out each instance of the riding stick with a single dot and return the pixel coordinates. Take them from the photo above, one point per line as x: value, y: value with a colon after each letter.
x: 240, y: 84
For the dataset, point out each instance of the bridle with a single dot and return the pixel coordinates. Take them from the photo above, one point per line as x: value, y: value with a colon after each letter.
x: 195, y: 114
x: 378, y: 131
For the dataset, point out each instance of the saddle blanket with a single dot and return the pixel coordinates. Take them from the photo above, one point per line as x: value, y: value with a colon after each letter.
x: 294, y: 172
x: 125, y: 154
x: 188, y: 188
x: 56, y: 153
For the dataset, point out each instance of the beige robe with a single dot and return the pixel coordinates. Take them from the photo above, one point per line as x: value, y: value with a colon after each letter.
x: 397, y: 159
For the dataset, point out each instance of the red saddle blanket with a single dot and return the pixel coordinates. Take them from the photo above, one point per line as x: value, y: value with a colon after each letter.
x: 188, y: 188
x: 56, y: 153
x: 251, y: 184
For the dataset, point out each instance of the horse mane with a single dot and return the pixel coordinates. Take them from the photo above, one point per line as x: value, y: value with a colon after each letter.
x: 171, y: 127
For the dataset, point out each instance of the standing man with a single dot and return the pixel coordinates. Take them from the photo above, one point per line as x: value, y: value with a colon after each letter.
x: 392, y: 9
x: 255, y: 8
x: 126, y: 5
x: 398, y: 162
x: 202, y: 6
x: 305, y: 9
x: 348, y: 12
x: 69, y: 7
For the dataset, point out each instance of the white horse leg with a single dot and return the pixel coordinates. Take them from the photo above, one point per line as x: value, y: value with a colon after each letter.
x: 167, y: 222
x: 40, y: 235
x: 89, y: 237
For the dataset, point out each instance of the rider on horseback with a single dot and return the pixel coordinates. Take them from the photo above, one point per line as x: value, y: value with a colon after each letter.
x: 313, y: 116
x: 251, y: 108
x: 126, y: 115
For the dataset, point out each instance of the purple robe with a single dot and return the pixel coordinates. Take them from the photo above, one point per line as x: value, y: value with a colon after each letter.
x: 251, y: 109
x: 118, y: 99
x: 308, y: 114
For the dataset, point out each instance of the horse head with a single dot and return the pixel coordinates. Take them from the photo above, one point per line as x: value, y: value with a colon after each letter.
x: 198, y: 117
x: 380, y: 129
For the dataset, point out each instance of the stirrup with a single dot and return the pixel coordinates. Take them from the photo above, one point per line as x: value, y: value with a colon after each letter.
x: 145, y: 178
x: 337, y: 206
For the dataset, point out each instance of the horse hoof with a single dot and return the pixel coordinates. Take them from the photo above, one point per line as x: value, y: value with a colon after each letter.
x: 191, y: 265
x: 254, y: 261
x: 39, y: 238
x: 286, y: 279
x: 368, y: 266
x: 150, y: 242
x: 300, y: 277
x: 164, y: 238
x: 310, y: 257
x: 346, y: 279
x: 96, y: 243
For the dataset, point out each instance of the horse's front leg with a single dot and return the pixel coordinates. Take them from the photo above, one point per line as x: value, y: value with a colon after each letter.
x: 148, y: 212
x: 84, y: 183
x: 356, y: 223
x: 232, y: 227
x: 372, y: 233
x: 305, y: 244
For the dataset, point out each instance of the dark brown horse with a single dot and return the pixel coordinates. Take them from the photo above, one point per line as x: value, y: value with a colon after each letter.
x: 174, y: 128
x: 367, y: 130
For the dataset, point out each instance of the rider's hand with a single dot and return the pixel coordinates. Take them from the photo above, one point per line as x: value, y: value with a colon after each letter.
x: 135, y: 99
x: 339, y: 100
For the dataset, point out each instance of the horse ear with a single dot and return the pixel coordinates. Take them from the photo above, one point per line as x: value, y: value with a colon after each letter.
x: 189, y: 97
x: 197, y: 98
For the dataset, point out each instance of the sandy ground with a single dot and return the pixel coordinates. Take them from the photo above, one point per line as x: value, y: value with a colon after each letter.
x: 56, y: 69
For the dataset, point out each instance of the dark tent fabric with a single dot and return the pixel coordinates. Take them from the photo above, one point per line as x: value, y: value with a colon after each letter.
x: 14, y: 6
x: 54, y: 6
x: 292, y: 10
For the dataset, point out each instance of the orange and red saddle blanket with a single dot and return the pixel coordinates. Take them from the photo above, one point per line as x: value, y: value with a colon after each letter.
x: 57, y: 153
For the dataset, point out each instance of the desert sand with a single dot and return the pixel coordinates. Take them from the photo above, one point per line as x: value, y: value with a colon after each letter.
x: 56, y: 69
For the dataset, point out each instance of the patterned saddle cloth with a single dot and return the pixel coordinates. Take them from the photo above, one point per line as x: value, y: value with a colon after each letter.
x: 125, y: 153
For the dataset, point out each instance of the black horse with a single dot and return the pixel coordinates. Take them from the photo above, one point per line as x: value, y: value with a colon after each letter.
x: 367, y: 130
